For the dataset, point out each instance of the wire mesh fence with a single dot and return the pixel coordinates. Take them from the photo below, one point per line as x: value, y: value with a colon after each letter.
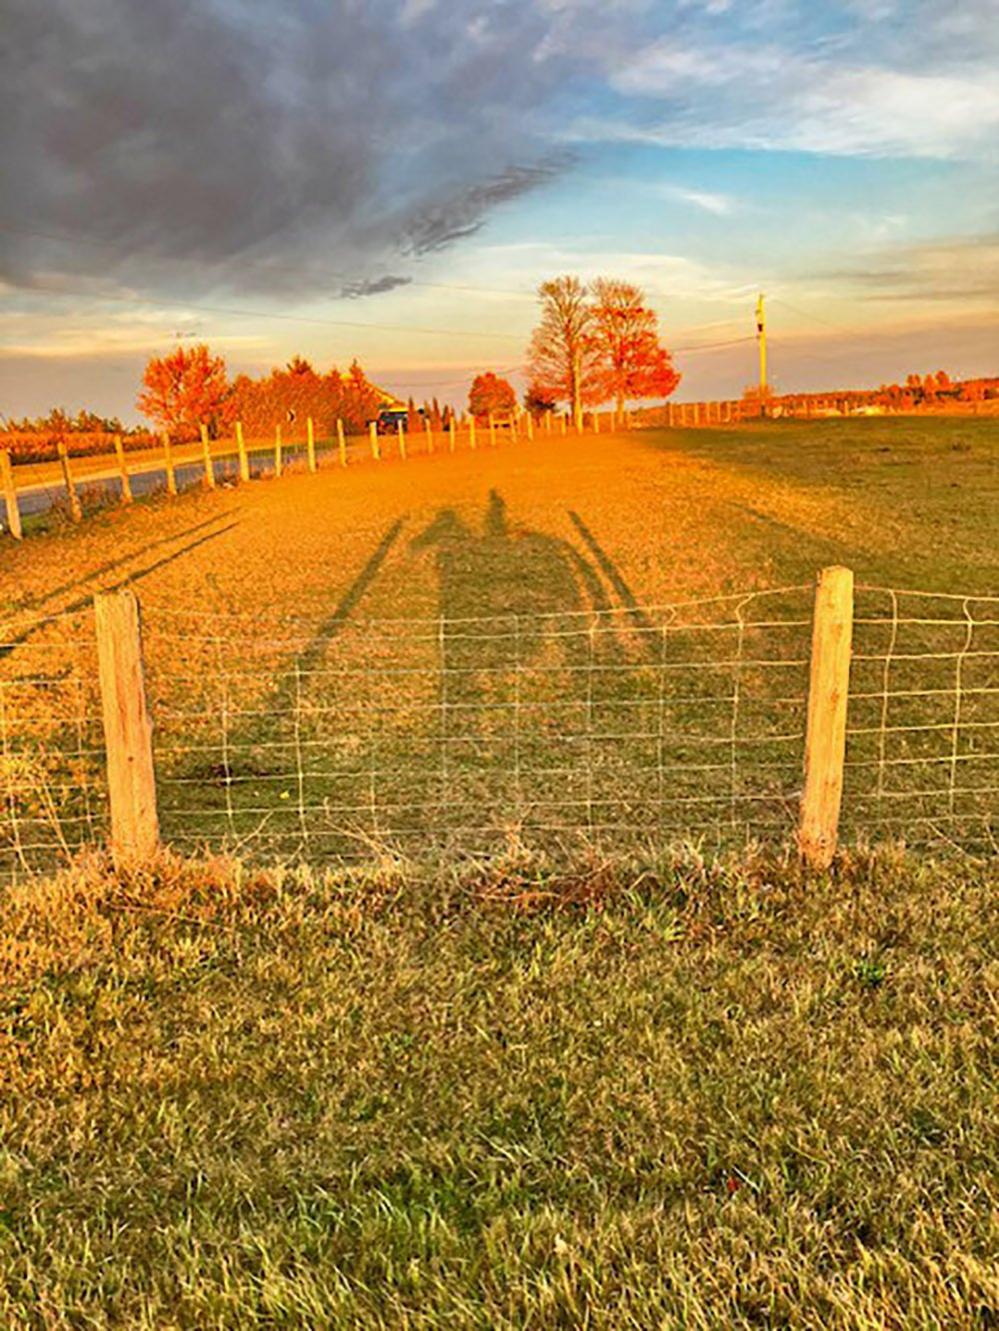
x: 459, y: 734
x: 53, y: 794
x: 923, y: 738
x: 609, y: 727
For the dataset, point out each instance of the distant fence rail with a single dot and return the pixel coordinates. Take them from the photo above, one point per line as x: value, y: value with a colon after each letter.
x: 723, y: 721
x: 131, y: 467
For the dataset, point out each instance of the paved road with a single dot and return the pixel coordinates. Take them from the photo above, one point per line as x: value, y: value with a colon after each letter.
x: 40, y: 486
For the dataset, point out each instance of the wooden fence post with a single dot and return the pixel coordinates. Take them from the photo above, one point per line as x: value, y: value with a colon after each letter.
x: 10, y: 495
x: 492, y: 430
x: 206, y: 454
x: 311, y: 443
x: 76, y: 512
x: 471, y: 431
x: 278, y: 450
x: 341, y: 442
x: 401, y: 431
x: 126, y: 484
x: 530, y: 427
x: 128, y: 731
x: 376, y: 451
x: 452, y: 432
x: 828, y: 697
x: 171, y: 479
x: 244, y: 461
x: 429, y: 431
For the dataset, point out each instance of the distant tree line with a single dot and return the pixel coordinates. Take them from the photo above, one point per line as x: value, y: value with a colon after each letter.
x: 930, y: 389
x: 59, y: 422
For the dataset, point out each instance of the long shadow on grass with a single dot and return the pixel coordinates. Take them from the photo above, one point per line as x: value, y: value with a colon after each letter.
x: 285, y: 694
x: 527, y: 701
x: 294, y: 735
x: 134, y: 575
x: 33, y: 602
x: 615, y: 577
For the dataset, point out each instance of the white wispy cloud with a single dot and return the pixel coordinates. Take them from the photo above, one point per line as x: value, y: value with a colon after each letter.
x: 769, y: 96
x: 710, y: 201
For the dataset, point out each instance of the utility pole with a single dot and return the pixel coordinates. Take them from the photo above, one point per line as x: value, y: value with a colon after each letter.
x: 761, y: 337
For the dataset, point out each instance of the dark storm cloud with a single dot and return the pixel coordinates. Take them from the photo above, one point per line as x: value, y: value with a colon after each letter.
x: 375, y: 286
x: 243, y: 145
x: 463, y: 212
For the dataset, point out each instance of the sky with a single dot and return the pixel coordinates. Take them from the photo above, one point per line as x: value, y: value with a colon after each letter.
x: 391, y: 180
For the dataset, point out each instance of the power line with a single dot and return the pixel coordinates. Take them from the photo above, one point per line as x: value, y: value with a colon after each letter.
x: 804, y: 314
x: 518, y: 293
x: 274, y: 314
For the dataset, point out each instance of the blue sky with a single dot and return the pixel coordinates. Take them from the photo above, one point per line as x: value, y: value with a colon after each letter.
x: 393, y: 180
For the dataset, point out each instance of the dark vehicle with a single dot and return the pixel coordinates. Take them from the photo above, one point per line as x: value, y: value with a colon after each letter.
x: 389, y: 418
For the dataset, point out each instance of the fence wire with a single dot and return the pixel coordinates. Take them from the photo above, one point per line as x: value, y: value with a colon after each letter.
x: 462, y: 735
x: 612, y: 728
x: 53, y: 795
x: 923, y: 734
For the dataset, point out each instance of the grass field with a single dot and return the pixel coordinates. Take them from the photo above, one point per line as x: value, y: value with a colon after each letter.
x: 601, y: 1082
x: 664, y: 1096
x: 529, y: 644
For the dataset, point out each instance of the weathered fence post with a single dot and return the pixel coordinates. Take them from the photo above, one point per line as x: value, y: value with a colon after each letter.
x: 311, y: 443
x: 171, y: 479
x: 401, y: 431
x: 76, y: 512
x: 10, y: 495
x: 452, y: 432
x: 828, y: 697
x: 128, y: 731
x: 278, y: 450
x: 341, y: 440
x: 206, y: 454
x: 126, y: 484
x: 376, y: 451
x: 244, y: 461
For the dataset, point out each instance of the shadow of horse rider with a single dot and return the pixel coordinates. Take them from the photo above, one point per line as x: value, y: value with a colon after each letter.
x: 508, y: 592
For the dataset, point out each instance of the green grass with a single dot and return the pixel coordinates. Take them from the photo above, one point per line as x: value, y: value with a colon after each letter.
x: 918, y: 497
x: 658, y: 1096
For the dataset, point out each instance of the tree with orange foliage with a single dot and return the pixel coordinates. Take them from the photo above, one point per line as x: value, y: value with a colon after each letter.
x: 491, y: 395
x: 562, y: 360
x: 632, y: 363
x: 185, y: 390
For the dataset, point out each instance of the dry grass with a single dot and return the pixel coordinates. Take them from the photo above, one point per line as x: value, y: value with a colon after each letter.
x: 656, y: 1094
x: 246, y: 589
x: 616, y: 1090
